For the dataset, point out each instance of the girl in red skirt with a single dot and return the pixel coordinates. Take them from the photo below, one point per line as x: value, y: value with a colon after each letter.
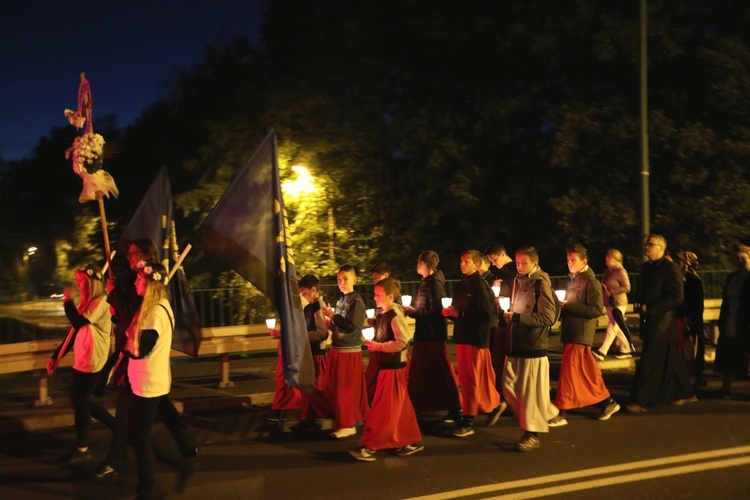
x: 392, y: 422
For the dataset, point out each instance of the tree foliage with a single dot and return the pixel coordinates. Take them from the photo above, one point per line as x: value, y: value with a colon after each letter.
x: 444, y: 125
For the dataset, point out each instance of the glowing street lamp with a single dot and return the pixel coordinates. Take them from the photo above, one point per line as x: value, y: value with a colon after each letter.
x: 302, y: 184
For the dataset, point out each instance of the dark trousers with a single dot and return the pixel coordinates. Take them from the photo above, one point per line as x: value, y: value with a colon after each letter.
x: 81, y: 387
x: 140, y: 418
x: 169, y: 415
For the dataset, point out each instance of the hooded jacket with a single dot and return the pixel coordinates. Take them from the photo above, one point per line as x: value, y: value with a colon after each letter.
x: 584, y: 305
x: 532, y: 317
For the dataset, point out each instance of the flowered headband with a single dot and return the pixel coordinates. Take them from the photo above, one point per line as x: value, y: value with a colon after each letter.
x: 146, y: 270
x: 91, y: 272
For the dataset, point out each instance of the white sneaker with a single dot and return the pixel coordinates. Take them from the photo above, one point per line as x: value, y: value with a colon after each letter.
x: 558, y: 421
x: 343, y: 432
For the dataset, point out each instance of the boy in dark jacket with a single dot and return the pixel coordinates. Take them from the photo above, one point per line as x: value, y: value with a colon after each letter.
x: 472, y: 312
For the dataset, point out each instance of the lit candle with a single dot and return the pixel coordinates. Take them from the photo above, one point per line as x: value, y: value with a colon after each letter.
x: 271, y: 323
x: 406, y: 300
x: 447, y: 301
x: 370, y: 313
x: 560, y: 294
x: 368, y: 333
x: 505, y: 303
x: 496, y: 290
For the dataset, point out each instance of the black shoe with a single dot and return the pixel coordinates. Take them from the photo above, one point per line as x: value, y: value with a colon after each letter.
x: 463, y: 429
x: 528, y: 442
x: 409, y: 449
x: 494, y: 415
x: 106, y: 470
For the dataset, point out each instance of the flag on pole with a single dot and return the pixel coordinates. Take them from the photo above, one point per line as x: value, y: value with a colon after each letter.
x: 153, y: 220
x: 248, y: 230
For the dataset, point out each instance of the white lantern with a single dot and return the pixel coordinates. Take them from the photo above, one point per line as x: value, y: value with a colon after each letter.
x: 370, y: 313
x: 505, y: 303
x: 406, y: 300
x: 560, y: 294
x: 496, y: 290
x: 271, y: 323
x: 447, y: 301
x: 368, y: 333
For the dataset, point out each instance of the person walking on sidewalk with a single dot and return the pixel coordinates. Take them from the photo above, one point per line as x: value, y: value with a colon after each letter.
x: 89, y: 339
x: 472, y: 312
x: 580, y: 382
x: 526, y: 375
x: 661, y: 376
x: 616, y: 286
x: 392, y: 422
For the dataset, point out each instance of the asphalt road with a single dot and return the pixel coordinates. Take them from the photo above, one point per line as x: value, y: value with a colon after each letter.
x: 697, y: 451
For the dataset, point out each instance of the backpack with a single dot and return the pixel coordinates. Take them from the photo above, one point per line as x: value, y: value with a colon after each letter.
x: 555, y: 300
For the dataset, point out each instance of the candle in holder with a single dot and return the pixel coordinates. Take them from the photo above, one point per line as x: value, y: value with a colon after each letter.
x: 505, y: 303
x: 496, y: 290
x: 370, y: 313
x: 368, y: 333
x: 271, y: 323
x: 447, y: 301
x: 560, y: 294
x: 406, y: 300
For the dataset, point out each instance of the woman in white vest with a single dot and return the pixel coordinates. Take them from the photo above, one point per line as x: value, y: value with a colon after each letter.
x: 149, y: 340
x: 89, y: 338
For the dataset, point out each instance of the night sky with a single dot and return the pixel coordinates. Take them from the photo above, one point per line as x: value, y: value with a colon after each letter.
x: 127, y: 48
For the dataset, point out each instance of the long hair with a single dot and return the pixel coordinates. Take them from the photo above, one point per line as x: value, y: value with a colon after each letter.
x: 156, y: 290
x: 96, y: 285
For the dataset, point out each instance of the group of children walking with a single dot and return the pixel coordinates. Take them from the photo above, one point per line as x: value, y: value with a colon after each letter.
x: 395, y: 386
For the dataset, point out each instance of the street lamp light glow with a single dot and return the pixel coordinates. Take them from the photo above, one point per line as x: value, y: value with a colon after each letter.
x: 301, y: 185
x: 31, y: 250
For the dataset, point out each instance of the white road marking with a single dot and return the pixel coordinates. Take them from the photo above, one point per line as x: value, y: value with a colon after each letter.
x: 610, y: 469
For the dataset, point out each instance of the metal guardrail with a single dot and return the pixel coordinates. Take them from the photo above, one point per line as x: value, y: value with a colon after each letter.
x: 229, y: 306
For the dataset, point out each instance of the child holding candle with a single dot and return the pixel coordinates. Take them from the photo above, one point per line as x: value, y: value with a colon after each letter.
x: 433, y: 385
x: 392, y: 422
x: 472, y: 312
x: 346, y: 381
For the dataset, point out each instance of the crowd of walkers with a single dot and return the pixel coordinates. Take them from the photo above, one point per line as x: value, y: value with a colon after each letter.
x: 501, y: 349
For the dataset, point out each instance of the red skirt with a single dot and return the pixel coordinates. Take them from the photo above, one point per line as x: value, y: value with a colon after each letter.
x: 392, y: 422
x: 580, y: 383
x: 477, y: 379
x: 346, y: 388
x: 318, y: 404
x: 286, y: 397
x: 433, y: 384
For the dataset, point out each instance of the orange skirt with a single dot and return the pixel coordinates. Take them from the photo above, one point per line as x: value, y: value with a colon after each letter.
x: 318, y: 404
x: 580, y: 383
x: 346, y: 388
x: 392, y: 422
x: 433, y: 384
x: 477, y: 379
x: 286, y: 397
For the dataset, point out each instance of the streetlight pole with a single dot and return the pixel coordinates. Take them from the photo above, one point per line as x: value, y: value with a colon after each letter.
x: 645, y: 173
